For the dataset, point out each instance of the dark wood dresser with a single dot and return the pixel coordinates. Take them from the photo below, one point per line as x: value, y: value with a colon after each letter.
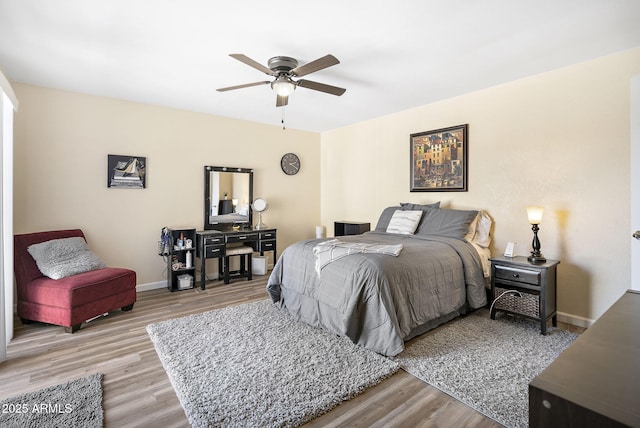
x: 596, y: 381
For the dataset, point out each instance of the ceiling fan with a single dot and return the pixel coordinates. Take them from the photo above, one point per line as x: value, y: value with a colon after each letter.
x: 284, y: 69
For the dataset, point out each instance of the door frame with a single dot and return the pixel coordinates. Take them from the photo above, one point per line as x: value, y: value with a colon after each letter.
x: 634, y: 159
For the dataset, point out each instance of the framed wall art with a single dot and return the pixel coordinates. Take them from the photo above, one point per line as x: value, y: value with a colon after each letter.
x: 439, y: 160
x: 128, y: 172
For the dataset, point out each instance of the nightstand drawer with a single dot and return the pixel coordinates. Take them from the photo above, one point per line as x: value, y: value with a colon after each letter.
x: 518, y: 275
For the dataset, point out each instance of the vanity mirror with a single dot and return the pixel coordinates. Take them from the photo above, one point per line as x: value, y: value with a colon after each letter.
x: 228, y: 193
x: 260, y: 205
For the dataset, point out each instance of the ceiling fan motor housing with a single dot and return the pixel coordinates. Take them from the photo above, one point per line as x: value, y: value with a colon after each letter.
x: 282, y: 64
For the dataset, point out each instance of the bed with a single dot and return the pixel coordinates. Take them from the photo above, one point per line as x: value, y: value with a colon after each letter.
x: 421, y: 267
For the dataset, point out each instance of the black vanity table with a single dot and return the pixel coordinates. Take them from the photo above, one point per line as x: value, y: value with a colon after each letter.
x: 212, y: 244
x: 228, y: 222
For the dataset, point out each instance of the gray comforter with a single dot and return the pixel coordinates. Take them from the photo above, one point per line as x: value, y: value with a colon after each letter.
x: 379, y: 300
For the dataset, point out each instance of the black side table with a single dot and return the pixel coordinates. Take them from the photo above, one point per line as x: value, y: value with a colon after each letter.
x: 524, y: 288
x: 342, y: 228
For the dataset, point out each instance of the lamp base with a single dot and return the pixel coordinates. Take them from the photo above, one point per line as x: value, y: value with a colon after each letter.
x: 536, y: 258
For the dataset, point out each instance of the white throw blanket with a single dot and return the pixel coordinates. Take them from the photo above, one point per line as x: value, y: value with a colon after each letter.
x: 334, y: 249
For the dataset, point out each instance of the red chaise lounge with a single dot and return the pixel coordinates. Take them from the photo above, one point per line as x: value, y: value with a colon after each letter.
x: 71, y: 300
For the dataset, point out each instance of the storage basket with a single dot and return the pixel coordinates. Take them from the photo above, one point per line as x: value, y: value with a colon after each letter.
x: 185, y: 281
x: 528, y: 304
x: 259, y: 265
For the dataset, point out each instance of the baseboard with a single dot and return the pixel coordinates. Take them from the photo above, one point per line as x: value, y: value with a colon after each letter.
x: 163, y: 284
x: 575, y: 320
x: 151, y: 286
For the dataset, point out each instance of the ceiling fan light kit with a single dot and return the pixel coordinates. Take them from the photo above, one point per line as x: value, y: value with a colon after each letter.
x: 283, y: 86
x: 284, y: 69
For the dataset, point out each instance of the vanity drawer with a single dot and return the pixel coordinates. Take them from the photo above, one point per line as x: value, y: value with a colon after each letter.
x: 517, y: 274
x: 242, y: 237
x: 213, y: 251
x: 268, y: 235
x: 213, y: 240
x: 267, y: 245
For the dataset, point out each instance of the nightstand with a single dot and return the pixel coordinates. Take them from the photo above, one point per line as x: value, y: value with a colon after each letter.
x: 342, y: 228
x: 522, y: 288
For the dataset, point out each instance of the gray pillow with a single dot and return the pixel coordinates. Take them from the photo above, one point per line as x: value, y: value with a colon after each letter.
x: 385, y: 218
x: 64, y: 257
x: 387, y: 213
x: 446, y: 222
x: 410, y: 206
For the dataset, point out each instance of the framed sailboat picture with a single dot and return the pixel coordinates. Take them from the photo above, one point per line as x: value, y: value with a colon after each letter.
x: 126, y: 172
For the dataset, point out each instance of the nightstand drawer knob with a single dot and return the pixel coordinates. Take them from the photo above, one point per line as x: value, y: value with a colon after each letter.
x: 515, y: 275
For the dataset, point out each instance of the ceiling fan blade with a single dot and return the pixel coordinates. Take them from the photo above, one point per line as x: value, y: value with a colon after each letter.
x: 322, y: 87
x: 246, y: 85
x: 313, y: 66
x: 252, y: 63
x: 281, y: 100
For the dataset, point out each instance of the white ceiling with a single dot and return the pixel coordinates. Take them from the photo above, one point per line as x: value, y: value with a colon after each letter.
x: 394, y: 55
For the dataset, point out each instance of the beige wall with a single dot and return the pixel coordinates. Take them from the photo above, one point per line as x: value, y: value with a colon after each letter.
x: 560, y: 139
x: 62, y: 140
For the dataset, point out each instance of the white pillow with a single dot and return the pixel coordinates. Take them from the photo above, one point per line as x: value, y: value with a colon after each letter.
x: 64, y: 257
x: 483, y: 230
x: 404, y: 222
x: 472, y: 228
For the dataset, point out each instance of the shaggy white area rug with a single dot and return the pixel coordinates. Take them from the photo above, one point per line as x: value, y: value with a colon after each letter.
x: 254, y: 365
x: 74, y: 404
x: 486, y: 363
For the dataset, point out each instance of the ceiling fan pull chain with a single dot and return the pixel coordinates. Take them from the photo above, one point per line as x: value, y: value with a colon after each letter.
x: 283, y: 126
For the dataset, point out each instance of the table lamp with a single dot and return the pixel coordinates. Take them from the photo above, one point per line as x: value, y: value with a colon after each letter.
x: 534, y: 215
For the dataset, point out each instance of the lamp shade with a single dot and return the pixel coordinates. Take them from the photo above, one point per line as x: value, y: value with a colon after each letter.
x: 534, y: 214
x: 283, y: 87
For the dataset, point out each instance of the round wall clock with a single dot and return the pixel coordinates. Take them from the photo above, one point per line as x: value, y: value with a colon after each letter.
x: 290, y: 164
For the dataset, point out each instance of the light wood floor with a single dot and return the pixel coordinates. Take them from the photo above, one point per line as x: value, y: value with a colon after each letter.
x: 137, y: 391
